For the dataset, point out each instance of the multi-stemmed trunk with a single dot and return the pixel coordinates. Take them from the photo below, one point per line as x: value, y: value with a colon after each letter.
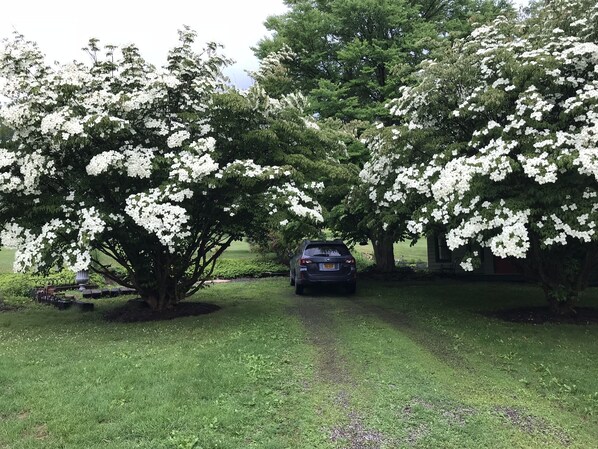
x: 160, y: 278
x: 563, y: 272
x: 162, y: 297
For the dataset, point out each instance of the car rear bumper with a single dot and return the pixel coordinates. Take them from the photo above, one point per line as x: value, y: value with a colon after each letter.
x: 313, y: 279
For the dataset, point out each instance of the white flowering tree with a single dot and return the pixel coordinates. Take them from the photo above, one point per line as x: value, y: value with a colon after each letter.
x: 499, y: 146
x: 159, y: 169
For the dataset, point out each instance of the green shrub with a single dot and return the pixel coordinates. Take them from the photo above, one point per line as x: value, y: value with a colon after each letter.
x: 362, y: 263
x: 11, y: 301
x: 120, y: 272
x: 20, y: 284
x: 274, y: 243
x: 239, y: 268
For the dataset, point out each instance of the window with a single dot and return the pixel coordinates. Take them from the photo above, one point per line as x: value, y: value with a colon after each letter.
x: 327, y: 251
x: 443, y: 253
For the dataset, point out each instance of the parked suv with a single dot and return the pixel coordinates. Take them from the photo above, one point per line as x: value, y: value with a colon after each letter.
x: 320, y: 262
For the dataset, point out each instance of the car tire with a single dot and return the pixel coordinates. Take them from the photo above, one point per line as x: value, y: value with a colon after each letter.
x: 351, y: 289
x: 298, y: 289
x: 292, y: 278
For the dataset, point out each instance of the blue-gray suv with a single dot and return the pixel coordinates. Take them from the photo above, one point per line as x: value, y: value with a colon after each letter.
x: 319, y: 262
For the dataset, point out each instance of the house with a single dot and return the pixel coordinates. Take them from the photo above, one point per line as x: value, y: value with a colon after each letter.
x: 443, y: 260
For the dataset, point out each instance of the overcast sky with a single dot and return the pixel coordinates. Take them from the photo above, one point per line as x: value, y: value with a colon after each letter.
x: 63, y: 27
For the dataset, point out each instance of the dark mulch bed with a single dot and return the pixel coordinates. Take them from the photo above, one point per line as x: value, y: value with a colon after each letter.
x: 541, y: 315
x: 400, y: 274
x: 136, y: 311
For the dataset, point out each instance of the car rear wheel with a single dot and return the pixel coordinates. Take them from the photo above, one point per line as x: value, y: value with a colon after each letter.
x: 298, y: 289
x: 351, y: 289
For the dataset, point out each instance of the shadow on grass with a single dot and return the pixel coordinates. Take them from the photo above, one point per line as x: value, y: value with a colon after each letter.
x: 135, y: 311
x: 325, y: 291
x: 542, y: 315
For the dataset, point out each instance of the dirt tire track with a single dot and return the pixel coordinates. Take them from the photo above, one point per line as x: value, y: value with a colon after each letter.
x: 316, y: 316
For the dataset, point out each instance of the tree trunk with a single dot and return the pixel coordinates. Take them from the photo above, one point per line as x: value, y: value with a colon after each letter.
x: 561, y: 306
x: 162, y: 294
x: 159, y: 301
x: 563, y: 272
x: 161, y: 279
x: 381, y: 74
x: 384, y: 256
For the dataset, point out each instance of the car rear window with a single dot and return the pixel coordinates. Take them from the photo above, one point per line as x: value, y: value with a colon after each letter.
x: 327, y: 250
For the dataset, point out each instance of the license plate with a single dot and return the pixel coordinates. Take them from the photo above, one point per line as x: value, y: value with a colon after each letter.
x: 329, y: 266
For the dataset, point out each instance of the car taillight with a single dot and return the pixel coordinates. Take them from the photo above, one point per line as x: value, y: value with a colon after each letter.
x: 304, y: 261
x: 350, y: 261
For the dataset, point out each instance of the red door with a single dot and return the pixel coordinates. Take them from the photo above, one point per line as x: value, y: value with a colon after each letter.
x: 507, y: 266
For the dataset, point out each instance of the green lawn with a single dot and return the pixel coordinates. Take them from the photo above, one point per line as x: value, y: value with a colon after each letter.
x: 398, y: 365
x: 240, y: 250
x: 403, y: 251
x: 7, y: 256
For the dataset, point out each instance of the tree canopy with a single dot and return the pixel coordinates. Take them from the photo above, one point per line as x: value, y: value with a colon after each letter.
x: 351, y: 56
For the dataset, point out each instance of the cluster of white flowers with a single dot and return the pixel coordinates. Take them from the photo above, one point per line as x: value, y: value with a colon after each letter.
x: 52, y: 122
x: 160, y: 217
x: 73, y: 75
x: 189, y: 167
x: 312, y: 186
x: 298, y: 202
x: 30, y: 246
x: 101, y: 162
x: 58, y: 124
x: 137, y: 161
x: 467, y: 264
x: 584, y: 229
x: 14, y: 116
x: 139, y: 100
x: 195, y: 164
x: 159, y: 125
x: 176, y: 139
x: 507, y: 231
x: 539, y: 168
x: 11, y: 236
x: 90, y: 224
x: 203, y: 145
x: 248, y: 168
x: 31, y: 168
x: 7, y: 158
x: 587, y: 161
x: 304, y: 211
x: 76, y: 259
